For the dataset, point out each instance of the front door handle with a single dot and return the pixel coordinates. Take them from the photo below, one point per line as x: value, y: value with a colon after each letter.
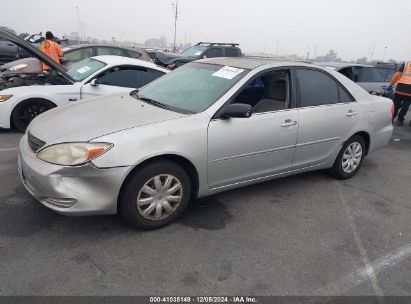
x: 351, y: 113
x: 288, y: 123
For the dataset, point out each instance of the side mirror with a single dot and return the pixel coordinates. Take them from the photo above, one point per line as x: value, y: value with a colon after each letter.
x: 237, y: 110
x: 94, y: 82
x: 63, y: 60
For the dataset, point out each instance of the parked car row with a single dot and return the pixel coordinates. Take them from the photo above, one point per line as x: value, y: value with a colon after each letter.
x: 88, y: 78
x: 156, y: 139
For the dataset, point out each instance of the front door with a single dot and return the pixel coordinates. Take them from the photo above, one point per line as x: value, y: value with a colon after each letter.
x: 243, y: 149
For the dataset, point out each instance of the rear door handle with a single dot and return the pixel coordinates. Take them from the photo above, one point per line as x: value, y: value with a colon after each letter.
x: 351, y: 113
x: 288, y: 123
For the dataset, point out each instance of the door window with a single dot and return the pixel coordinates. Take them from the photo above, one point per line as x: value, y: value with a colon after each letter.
x: 132, y: 54
x: 79, y: 54
x: 370, y: 74
x: 129, y: 77
x: 231, y: 53
x: 110, y: 51
x: 316, y: 88
x: 215, y: 52
x: 266, y: 93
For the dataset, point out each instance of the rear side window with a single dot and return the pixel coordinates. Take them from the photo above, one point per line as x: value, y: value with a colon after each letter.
x: 215, y: 52
x: 316, y: 88
x: 370, y: 74
x: 129, y: 77
x: 132, y: 54
x: 231, y: 53
x: 78, y: 55
x: 109, y: 51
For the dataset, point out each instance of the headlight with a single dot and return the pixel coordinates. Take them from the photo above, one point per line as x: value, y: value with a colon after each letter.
x: 5, y: 97
x: 73, y: 154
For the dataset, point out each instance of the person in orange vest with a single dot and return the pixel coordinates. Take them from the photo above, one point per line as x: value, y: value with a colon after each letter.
x: 51, y: 48
x: 402, y: 98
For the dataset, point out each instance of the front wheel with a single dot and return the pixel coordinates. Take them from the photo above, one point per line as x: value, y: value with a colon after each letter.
x: 27, y: 110
x: 155, y: 196
x: 350, y: 158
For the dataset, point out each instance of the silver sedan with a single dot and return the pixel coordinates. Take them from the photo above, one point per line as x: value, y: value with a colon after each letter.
x: 209, y: 126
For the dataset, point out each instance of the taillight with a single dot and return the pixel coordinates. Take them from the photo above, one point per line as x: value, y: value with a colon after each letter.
x: 393, y: 111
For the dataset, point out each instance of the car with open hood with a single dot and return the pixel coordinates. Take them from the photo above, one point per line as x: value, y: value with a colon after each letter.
x: 209, y: 126
x: 23, y: 96
x: 73, y: 54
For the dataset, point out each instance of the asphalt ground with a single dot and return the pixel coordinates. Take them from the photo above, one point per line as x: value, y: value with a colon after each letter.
x: 303, y: 235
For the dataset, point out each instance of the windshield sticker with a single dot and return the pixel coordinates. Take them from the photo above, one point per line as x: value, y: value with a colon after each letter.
x: 84, y: 69
x: 228, y: 72
x: 197, y: 53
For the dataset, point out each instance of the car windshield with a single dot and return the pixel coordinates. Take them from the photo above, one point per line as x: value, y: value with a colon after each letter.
x: 193, y: 87
x: 195, y: 51
x: 83, y: 69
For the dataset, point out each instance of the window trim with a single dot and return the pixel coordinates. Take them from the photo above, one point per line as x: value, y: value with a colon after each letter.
x: 297, y: 86
x: 290, y: 101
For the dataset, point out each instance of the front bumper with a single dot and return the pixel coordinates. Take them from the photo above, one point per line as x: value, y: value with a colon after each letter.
x: 83, y: 190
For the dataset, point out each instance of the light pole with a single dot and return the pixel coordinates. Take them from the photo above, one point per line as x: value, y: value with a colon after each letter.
x: 78, y: 23
x: 175, y: 15
x: 385, y: 52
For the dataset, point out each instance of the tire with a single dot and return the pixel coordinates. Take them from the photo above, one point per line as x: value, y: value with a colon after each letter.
x: 27, y: 110
x: 136, y: 202
x: 342, y: 168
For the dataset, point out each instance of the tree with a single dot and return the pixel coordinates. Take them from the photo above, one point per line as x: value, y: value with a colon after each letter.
x: 362, y: 60
x: 331, y: 56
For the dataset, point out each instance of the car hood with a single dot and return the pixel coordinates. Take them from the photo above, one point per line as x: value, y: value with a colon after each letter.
x: 95, y: 118
x: 21, y: 66
x: 169, y: 58
x: 34, y: 51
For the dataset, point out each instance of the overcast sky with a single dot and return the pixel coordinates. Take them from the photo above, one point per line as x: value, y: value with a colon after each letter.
x: 348, y: 26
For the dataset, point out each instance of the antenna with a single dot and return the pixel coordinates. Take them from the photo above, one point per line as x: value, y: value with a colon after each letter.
x: 175, y: 15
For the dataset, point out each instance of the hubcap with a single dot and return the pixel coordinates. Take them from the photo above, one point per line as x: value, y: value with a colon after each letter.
x: 352, y: 157
x: 159, y: 197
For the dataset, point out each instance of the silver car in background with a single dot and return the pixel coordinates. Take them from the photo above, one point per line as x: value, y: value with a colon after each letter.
x: 372, y: 78
x: 209, y: 126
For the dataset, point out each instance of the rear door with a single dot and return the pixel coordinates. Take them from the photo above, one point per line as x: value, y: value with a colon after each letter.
x: 327, y: 114
x: 120, y: 79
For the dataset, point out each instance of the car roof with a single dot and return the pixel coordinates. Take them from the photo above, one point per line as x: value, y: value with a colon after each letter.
x: 120, y: 60
x: 251, y: 63
x: 341, y: 64
x: 80, y: 46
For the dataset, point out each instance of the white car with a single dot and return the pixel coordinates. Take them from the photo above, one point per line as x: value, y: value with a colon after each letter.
x: 24, y: 96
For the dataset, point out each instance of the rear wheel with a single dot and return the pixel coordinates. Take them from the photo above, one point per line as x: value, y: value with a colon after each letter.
x: 27, y: 110
x: 156, y: 195
x: 350, y: 158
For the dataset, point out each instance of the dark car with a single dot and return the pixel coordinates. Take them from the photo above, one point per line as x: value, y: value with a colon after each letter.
x: 199, y: 51
x: 10, y: 52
